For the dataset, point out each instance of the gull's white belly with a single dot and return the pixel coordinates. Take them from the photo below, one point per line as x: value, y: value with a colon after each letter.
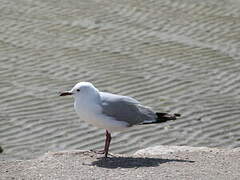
x: 93, y: 115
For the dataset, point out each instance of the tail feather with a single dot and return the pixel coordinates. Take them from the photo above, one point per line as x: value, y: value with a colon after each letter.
x: 163, y: 117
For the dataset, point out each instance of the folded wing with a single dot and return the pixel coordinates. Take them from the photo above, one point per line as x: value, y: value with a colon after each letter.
x: 127, y: 109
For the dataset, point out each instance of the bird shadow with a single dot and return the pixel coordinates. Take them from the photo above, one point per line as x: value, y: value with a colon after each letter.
x: 133, y: 162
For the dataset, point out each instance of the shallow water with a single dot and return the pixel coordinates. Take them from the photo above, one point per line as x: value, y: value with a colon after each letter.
x: 177, y: 56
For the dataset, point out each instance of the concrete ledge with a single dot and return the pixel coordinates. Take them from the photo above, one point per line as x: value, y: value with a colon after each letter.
x: 162, y: 162
x: 158, y: 150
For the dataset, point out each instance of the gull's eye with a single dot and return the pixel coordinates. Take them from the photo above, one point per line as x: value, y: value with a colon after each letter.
x: 78, y: 90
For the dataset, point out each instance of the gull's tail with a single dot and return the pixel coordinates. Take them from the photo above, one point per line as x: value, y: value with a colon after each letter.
x: 163, y: 117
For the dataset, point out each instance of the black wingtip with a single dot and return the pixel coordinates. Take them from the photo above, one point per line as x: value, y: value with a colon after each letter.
x: 163, y: 117
x: 177, y: 114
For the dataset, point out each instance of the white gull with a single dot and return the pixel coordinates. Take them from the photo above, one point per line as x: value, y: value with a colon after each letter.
x: 112, y: 112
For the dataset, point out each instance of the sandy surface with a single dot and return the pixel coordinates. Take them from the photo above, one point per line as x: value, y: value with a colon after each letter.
x: 179, y: 56
x: 184, y: 164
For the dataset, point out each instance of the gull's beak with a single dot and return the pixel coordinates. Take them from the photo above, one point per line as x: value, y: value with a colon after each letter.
x: 66, y: 93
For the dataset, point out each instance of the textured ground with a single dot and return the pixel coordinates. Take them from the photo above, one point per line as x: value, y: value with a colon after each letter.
x: 174, y: 55
x: 198, y: 163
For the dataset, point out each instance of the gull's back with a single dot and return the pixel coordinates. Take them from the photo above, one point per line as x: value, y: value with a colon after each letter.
x: 124, y: 108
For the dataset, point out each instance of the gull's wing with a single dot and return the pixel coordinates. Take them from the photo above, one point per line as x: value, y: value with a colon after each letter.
x: 127, y: 109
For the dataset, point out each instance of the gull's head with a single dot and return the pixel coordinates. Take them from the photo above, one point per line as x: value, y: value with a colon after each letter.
x: 82, y: 89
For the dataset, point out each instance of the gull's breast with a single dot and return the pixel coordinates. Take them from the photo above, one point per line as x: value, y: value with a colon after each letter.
x: 92, y: 114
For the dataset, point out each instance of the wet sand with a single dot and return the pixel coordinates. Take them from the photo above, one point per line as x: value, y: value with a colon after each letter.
x: 176, y: 56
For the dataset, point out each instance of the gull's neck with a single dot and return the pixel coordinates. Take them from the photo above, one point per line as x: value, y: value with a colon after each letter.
x: 88, y: 105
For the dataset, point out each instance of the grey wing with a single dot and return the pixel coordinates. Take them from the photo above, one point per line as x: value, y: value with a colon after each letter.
x: 127, y: 109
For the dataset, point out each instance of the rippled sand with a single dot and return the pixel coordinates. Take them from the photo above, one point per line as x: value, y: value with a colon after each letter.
x: 178, y: 56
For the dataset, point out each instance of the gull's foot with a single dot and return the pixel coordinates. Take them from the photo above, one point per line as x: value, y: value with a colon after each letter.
x: 110, y: 154
x: 97, y: 151
x: 102, y: 152
x: 113, y: 155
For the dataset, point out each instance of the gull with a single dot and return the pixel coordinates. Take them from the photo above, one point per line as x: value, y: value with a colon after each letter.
x: 112, y: 112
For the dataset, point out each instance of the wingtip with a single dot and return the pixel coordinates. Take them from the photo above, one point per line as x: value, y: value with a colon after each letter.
x: 177, y: 114
x: 162, y: 117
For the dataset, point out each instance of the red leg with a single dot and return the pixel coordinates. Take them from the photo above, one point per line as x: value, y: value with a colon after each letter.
x: 105, y: 147
x: 107, y: 143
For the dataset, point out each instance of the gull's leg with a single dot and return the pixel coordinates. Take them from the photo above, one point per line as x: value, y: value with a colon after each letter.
x: 107, y: 143
x: 105, y: 146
